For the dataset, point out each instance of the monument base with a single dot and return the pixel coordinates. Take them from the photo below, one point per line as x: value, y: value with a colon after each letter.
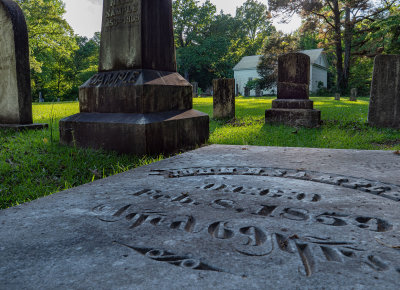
x: 20, y: 127
x: 140, y: 134
x: 294, y: 117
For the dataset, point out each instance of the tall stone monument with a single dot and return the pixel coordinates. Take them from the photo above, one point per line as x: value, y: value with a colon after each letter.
x: 15, y: 83
x: 137, y: 103
x: 384, y: 109
x: 224, y: 98
x: 293, y: 106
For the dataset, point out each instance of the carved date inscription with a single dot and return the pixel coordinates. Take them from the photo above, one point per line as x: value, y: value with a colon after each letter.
x: 122, y: 12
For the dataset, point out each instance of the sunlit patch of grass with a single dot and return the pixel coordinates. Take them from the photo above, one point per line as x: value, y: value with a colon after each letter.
x: 33, y: 164
x: 344, y: 126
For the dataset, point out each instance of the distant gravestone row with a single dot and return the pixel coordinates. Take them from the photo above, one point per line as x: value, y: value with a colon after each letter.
x: 15, y: 83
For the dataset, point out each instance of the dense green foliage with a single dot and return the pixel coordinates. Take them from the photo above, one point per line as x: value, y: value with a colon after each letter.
x: 60, y: 61
x: 210, y: 43
x: 33, y: 164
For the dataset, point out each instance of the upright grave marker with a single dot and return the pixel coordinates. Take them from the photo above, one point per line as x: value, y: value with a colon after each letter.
x: 224, y: 98
x: 15, y: 83
x: 137, y: 103
x: 293, y: 106
x: 195, y: 89
x: 353, y: 95
x: 384, y: 109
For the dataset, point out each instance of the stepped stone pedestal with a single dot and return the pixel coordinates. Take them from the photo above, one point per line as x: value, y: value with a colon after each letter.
x: 137, y: 103
x: 293, y: 106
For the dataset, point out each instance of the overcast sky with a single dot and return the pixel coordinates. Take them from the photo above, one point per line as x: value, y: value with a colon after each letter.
x: 85, y: 15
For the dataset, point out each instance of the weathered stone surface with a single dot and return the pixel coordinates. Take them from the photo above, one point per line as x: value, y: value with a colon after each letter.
x: 353, y: 95
x: 294, y: 68
x: 137, y: 76
x: 258, y: 92
x: 15, y: 85
x: 224, y: 98
x: 140, y: 134
x: 221, y: 217
x: 384, y: 110
x: 195, y: 86
x: 293, y: 91
x: 337, y: 97
x: 20, y: 127
x: 294, y: 117
x: 135, y: 91
x: 292, y: 104
x: 293, y: 107
x: 247, y: 92
x: 136, y: 35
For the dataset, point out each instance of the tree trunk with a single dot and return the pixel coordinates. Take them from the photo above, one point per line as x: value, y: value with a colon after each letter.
x: 348, y: 36
x: 339, y: 49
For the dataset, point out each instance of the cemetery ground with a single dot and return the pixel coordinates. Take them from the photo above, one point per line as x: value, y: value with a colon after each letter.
x: 33, y: 164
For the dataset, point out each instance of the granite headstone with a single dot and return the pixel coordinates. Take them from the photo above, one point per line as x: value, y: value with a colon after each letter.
x: 224, y: 98
x: 384, y: 109
x: 137, y: 103
x: 195, y: 86
x: 337, y: 97
x: 293, y: 106
x: 353, y: 95
x: 15, y: 82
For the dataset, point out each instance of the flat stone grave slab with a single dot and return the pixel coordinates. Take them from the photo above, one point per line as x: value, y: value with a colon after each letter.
x: 220, y: 217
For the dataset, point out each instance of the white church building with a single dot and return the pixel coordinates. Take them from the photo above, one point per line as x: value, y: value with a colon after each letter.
x: 246, y: 70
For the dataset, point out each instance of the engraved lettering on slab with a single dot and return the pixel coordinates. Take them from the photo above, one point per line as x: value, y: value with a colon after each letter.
x: 184, y: 261
x: 389, y: 191
x: 259, y: 216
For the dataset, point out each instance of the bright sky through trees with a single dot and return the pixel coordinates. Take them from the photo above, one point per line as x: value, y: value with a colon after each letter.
x: 85, y: 15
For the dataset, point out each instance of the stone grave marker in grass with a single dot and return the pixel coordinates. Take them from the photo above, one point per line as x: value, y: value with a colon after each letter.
x: 353, y: 95
x: 15, y: 83
x: 221, y: 217
x: 293, y: 106
x: 137, y: 103
x: 224, y: 98
x: 384, y: 109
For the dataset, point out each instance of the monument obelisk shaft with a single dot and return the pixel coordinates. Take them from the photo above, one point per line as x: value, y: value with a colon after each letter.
x: 137, y: 102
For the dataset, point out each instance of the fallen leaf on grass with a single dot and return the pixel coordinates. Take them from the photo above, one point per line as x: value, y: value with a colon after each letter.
x: 397, y: 152
x: 45, y: 140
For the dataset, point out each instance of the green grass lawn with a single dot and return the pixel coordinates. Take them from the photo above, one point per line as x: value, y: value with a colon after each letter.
x: 33, y: 164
